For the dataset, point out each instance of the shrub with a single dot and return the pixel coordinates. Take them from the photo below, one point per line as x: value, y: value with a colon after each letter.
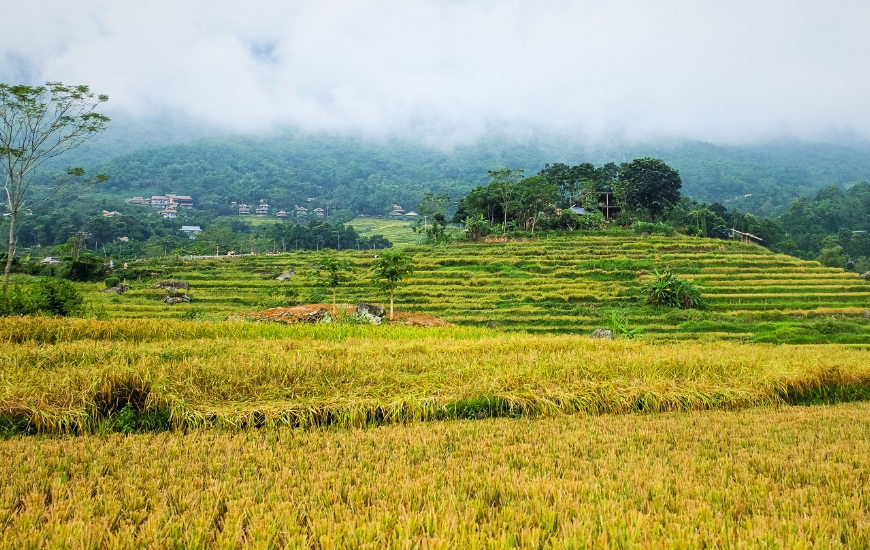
x: 658, y: 228
x: 49, y: 295
x: 666, y: 289
x: 112, y: 282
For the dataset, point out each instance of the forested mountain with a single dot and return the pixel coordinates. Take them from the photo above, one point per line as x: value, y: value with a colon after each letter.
x: 368, y: 176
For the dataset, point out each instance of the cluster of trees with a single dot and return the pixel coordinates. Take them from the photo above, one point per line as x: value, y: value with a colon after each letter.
x: 645, y: 187
x: 833, y: 227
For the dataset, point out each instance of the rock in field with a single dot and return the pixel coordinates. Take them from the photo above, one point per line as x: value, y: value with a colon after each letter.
x: 120, y: 289
x: 602, y: 334
x: 317, y: 316
x: 178, y: 298
x: 286, y: 275
x: 169, y: 286
x: 371, y: 313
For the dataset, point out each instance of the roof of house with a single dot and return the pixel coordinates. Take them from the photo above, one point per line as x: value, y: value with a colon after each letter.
x: 190, y: 228
x: 750, y: 235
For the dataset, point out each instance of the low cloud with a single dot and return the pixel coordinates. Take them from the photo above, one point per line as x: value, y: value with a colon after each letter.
x: 450, y: 71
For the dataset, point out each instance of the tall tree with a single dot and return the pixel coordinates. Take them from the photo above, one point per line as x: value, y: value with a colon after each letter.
x: 648, y: 185
x: 504, y: 182
x: 392, y: 268
x: 331, y: 271
x: 38, y: 123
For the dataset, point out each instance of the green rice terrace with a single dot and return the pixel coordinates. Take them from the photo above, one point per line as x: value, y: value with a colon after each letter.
x: 556, y: 285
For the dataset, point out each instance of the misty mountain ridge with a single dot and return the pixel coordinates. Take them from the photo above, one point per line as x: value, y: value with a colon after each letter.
x: 367, y: 175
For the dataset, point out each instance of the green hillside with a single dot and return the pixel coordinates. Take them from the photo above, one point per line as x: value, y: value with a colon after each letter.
x: 558, y: 285
x: 367, y: 176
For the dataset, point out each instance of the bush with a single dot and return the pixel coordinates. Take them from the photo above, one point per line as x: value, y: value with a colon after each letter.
x: 86, y: 268
x: 112, y: 282
x: 670, y: 291
x: 658, y: 228
x: 49, y: 295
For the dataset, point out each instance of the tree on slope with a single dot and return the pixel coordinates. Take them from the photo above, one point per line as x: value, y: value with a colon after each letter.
x: 332, y: 272
x: 505, y: 183
x: 38, y: 123
x: 648, y: 185
x: 391, y: 269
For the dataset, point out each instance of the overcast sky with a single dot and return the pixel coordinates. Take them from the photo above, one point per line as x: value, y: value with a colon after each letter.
x: 723, y: 70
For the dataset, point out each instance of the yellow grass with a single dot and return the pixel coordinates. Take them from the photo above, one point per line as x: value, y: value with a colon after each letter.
x: 357, y: 376
x: 783, y: 478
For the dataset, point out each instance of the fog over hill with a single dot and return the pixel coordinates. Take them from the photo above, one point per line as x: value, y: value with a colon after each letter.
x: 744, y: 98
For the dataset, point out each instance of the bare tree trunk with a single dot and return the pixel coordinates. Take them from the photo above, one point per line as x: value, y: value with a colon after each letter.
x: 11, y: 252
x: 391, y: 304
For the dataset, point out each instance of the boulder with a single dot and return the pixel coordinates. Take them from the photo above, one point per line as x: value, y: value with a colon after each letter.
x: 602, y: 334
x: 866, y: 275
x: 286, y: 275
x: 866, y: 314
x: 120, y: 289
x: 317, y: 316
x: 169, y: 286
x: 369, y: 312
x: 178, y: 298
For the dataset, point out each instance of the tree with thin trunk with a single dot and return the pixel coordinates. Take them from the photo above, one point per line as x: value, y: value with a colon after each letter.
x: 504, y: 182
x: 38, y: 123
x: 391, y: 269
x: 332, y: 272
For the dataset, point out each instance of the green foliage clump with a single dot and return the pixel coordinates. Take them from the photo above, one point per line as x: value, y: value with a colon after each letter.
x: 668, y: 290
x: 619, y: 326
x: 658, y: 228
x: 282, y: 296
x: 49, y: 296
x: 87, y: 267
x: 112, y: 282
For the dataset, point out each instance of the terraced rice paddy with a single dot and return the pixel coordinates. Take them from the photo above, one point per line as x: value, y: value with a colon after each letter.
x: 561, y: 285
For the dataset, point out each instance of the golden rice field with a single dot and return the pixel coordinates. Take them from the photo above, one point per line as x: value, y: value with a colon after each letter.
x: 560, y: 285
x: 789, y: 477
x: 76, y: 375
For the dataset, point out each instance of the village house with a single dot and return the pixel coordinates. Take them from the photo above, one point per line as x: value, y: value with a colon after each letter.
x: 244, y: 210
x: 169, y: 213
x: 735, y: 235
x: 262, y: 208
x: 319, y: 212
x: 159, y: 201
x: 282, y: 214
x: 191, y: 230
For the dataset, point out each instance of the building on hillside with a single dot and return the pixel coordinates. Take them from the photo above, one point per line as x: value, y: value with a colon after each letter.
x: 262, y: 208
x: 159, y: 201
x: 244, y: 210
x: 735, y: 235
x: 300, y: 211
x: 282, y: 214
x: 183, y: 201
x: 412, y: 214
x: 319, y: 212
x: 112, y: 214
x: 397, y: 213
x: 191, y: 230
x: 141, y: 201
x: 169, y: 213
